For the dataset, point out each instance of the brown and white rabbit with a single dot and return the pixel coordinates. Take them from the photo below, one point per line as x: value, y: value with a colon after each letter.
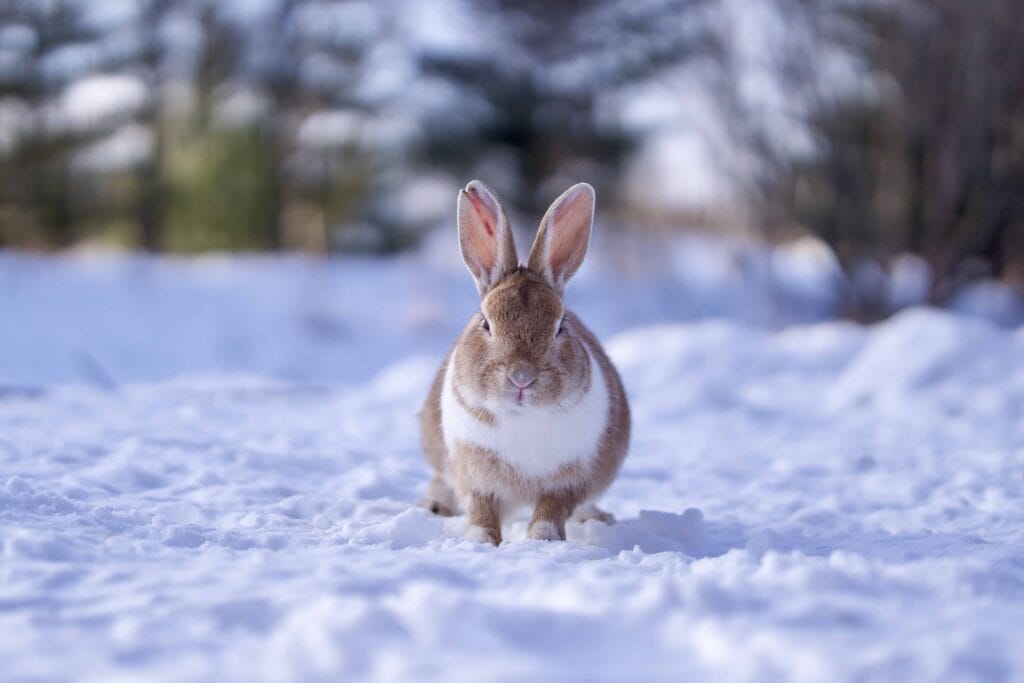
x: 526, y: 409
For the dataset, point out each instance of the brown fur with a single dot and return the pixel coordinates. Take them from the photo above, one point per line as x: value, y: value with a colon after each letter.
x: 439, y: 498
x: 484, y: 512
x: 523, y: 308
x: 557, y: 254
x: 486, y: 243
x: 480, y: 469
x: 554, y: 508
x: 481, y: 414
x: 521, y: 336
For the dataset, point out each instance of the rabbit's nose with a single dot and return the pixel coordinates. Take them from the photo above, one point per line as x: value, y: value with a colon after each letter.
x: 522, y: 377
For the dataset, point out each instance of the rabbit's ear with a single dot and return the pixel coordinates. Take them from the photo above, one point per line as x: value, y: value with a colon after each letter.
x: 485, y: 237
x: 563, y: 236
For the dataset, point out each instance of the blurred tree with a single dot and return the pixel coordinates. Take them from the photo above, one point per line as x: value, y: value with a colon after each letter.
x: 44, y: 47
x: 151, y: 202
x: 217, y: 174
x: 929, y: 161
x: 535, y: 100
x: 299, y: 66
x: 308, y: 63
x: 226, y: 90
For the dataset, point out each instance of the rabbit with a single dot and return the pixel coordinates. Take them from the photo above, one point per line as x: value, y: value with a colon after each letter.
x: 526, y: 408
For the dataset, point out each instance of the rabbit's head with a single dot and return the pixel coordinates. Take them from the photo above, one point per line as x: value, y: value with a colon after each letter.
x: 521, y: 349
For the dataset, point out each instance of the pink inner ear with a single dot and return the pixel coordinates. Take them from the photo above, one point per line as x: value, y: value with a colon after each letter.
x: 482, y: 212
x: 480, y: 237
x: 569, y: 223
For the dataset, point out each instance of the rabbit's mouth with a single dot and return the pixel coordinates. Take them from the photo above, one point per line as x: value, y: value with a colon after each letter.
x: 521, y: 396
x: 522, y: 386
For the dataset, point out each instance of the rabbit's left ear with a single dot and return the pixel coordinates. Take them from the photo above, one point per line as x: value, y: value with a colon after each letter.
x: 563, y: 236
x: 485, y: 237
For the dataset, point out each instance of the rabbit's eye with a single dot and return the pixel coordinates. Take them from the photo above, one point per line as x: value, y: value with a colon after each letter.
x: 486, y: 325
x: 561, y: 327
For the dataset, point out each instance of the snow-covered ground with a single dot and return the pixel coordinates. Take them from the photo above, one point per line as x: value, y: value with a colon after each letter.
x: 207, y: 471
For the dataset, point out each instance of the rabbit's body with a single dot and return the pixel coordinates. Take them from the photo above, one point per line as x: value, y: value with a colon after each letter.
x: 527, y: 451
x: 527, y: 408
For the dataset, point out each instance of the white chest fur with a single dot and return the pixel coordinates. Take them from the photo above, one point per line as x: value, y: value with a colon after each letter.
x: 535, y: 440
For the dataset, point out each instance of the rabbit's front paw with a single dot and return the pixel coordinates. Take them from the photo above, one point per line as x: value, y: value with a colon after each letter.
x: 478, y: 534
x: 543, y: 530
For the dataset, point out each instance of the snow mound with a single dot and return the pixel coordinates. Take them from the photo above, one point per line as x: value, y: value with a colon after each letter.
x: 929, y: 356
x: 829, y: 502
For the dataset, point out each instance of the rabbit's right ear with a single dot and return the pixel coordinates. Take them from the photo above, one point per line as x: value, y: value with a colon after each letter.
x: 563, y: 236
x: 485, y: 236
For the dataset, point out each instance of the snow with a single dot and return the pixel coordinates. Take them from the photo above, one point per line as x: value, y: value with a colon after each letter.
x: 94, y: 100
x: 103, y: 319
x: 208, y: 470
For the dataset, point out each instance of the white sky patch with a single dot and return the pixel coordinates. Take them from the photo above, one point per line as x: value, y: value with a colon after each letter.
x: 425, y: 197
x: 677, y: 170
x: 94, y: 101
x: 330, y: 128
x: 240, y: 106
x: 442, y: 26
x: 387, y: 72
x: 110, y: 14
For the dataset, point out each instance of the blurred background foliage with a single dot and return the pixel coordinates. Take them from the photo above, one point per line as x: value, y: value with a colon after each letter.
x: 882, y: 128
